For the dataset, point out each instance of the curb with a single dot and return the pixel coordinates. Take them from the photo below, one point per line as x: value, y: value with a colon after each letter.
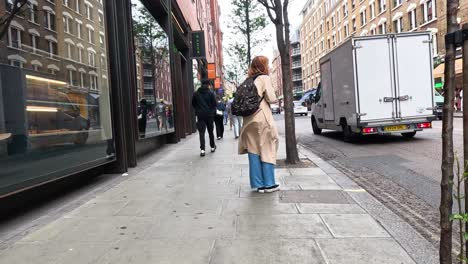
x: 416, y: 246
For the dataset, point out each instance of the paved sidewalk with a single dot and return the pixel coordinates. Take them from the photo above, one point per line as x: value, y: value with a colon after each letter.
x: 187, y: 209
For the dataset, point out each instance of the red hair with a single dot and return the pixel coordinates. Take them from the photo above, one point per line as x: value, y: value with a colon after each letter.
x: 258, y: 66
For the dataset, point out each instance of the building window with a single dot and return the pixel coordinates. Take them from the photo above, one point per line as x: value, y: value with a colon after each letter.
x: 14, y: 37
x: 88, y: 11
x: 71, y: 74
x: 49, y: 20
x: 354, y: 25
x: 397, y: 3
x: 34, y: 42
x: 93, y: 82
x: 9, y: 5
x: 353, y: 4
x: 33, y: 9
x: 80, y: 55
x: 346, y: 30
x: 101, y: 18
x: 101, y: 39
x: 434, y: 44
x: 82, y: 79
x: 16, y: 63
x: 91, y: 59
x: 66, y: 3
x: 52, y: 48
x: 91, y: 35
x: 79, y: 30
x: 372, y: 10
x: 383, y: 28
x: 373, y: 31
x: 339, y: 36
x: 382, y: 5
x: 363, y: 18
x: 69, y: 51
x: 398, y: 25
x: 412, y: 19
x: 334, y: 40
x: 36, y: 67
x: 78, y: 6
x: 429, y: 11
x: 67, y: 24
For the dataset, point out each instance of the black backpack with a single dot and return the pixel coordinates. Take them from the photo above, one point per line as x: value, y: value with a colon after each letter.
x: 247, y: 101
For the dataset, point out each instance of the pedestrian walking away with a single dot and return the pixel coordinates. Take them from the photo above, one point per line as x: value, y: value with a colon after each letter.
x: 142, y: 118
x: 219, y: 118
x: 236, y: 121
x: 204, y: 102
x: 259, y: 135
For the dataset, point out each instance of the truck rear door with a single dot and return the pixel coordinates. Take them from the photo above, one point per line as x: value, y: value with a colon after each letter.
x: 414, y: 82
x: 374, y: 78
x: 327, y: 91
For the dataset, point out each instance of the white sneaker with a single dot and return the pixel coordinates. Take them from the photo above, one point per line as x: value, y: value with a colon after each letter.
x: 273, y: 188
x: 202, y: 153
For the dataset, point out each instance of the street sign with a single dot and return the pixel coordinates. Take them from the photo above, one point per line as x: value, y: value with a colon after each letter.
x: 211, y: 71
x: 198, y: 45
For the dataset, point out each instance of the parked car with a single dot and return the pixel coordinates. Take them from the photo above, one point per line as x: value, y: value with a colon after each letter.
x: 300, y: 109
x: 275, y: 109
x: 439, y: 104
x: 357, y: 100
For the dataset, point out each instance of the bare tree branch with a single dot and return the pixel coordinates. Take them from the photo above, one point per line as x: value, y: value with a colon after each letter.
x: 5, y: 22
x: 269, y: 8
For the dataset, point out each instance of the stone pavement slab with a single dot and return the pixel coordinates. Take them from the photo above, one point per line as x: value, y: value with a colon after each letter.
x: 183, y: 208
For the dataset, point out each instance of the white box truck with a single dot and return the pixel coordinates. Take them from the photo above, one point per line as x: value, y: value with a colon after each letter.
x: 376, y: 85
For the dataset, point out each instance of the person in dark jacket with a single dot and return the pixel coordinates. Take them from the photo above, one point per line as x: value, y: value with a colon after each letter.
x: 142, y: 117
x: 219, y: 118
x: 204, y: 102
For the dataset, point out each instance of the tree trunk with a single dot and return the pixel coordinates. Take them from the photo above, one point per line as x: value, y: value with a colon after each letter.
x: 465, y: 122
x: 446, y: 186
x: 247, y: 19
x: 282, y: 36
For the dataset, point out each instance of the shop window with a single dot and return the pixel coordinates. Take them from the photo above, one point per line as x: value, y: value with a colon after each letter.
x: 155, y: 116
x: 52, y: 123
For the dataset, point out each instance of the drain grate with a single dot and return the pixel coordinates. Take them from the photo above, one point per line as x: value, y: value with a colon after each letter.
x: 316, y: 196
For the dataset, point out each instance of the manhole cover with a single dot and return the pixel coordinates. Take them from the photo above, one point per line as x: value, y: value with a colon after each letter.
x: 304, y: 163
x: 316, y: 196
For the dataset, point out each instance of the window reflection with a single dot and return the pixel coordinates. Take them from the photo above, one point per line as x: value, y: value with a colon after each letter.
x: 155, y: 101
x: 54, y: 91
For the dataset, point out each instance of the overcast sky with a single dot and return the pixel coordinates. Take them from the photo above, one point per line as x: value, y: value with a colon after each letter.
x: 295, y: 17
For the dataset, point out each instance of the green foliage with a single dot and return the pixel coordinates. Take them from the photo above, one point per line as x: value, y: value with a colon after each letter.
x: 248, y: 19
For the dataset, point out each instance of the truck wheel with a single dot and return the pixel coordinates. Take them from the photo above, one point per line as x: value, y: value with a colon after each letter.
x: 348, y: 134
x: 315, y: 128
x: 409, y: 134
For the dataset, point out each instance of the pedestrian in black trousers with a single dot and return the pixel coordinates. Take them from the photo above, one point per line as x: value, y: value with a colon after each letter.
x: 219, y: 118
x: 204, y: 102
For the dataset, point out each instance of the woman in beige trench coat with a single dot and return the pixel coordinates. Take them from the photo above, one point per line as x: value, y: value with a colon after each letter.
x: 259, y: 136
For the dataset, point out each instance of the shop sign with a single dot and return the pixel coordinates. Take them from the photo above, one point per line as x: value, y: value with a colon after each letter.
x: 211, y: 71
x: 198, y: 45
x: 217, y: 83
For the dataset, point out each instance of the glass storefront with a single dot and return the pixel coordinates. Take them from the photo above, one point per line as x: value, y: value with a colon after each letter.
x: 153, y: 70
x: 55, y: 111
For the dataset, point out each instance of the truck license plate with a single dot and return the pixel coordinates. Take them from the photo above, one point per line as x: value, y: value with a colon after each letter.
x: 395, y: 128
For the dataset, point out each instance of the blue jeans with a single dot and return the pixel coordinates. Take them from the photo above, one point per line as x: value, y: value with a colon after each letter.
x: 262, y: 174
x: 237, y: 122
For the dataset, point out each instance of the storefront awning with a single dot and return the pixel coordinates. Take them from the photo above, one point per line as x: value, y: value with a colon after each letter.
x: 439, y: 71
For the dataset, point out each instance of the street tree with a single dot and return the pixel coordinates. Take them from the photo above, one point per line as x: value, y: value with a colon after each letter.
x: 447, y: 167
x: 16, y: 8
x: 277, y: 11
x: 248, y: 20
